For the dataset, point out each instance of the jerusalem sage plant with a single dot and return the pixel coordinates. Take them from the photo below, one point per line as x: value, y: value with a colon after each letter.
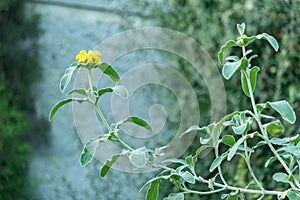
x: 255, y: 125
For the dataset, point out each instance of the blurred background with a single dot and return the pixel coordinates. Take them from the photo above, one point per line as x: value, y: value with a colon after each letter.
x: 39, y: 38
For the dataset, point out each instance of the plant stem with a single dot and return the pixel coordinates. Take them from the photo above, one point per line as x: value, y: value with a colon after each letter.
x: 219, y: 167
x: 124, y: 144
x: 103, y: 118
x: 93, y: 102
x: 257, y: 118
x: 203, y: 193
x: 243, y: 190
x: 248, y: 161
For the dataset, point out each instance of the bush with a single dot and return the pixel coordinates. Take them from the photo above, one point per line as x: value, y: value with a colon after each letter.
x: 19, y: 69
x: 206, y: 22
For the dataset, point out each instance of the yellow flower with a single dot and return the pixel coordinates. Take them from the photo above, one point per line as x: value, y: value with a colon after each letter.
x: 82, y: 56
x: 92, y: 57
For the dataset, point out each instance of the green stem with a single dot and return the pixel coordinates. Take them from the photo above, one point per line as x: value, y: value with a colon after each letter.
x: 109, y: 128
x: 103, y: 118
x: 188, y: 191
x: 219, y: 167
x: 248, y: 161
x: 243, y: 190
x: 125, y: 145
x: 257, y: 118
x: 91, y: 96
x: 247, y: 157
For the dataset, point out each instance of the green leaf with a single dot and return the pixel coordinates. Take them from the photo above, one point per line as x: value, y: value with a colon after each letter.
x: 241, y: 28
x: 283, y: 141
x: 281, y: 177
x: 66, y: 78
x: 217, y: 162
x: 120, y: 91
x: 81, y: 91
x: 228, y: 140
x: 190, y: 161
x: 89, y: 150
x: 152, y: 192
x: 136, y: 120
x: 138, y: 157
x: 248, y: 40
x: 175, y: 196
x: 292, y: 149
x: 270, y: 161
x: 244, y: 64
x: 60, y: 104
x: 194, y: 128
x: 232, y: 58
x: 57, y: 106
x: 200, y: 150
x: 229, y: 68
x: 103, y: 91
x: 282, y: 107
x: 188, y: 177
x: 253, y: 77
x: 228, y: 44
x: 273, y: 42
x: 111, y: 72
x: 293, y: 195
x: 245, y: 127
x: 232, y: 197
x: 166, y: 177
x: 274, y: 127
x: 107, y: 165
x: 235, y: 147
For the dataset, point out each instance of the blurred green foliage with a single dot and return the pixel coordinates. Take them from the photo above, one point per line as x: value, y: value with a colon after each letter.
x: 211, y: 23
x: 13, y: 149
x: 19, y: 69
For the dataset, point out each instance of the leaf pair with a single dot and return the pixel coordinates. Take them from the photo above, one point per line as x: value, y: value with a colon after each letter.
x: 282, y: 107
x: 104, y: 67
x: 247, y: 40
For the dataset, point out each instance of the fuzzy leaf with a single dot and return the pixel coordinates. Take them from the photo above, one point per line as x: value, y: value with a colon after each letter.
x: 228, y: 44
x: 270, y: 160
x: 275, y: 127
x: 66, y: 78
x: 228, y: 140
x: 120, y: 91
x: 282, y: 107
x: 89, y: 150
x: 253, y: 78
x: 229, y: 68
x: 111, y: 72
x: 107, y: 165
x: 81, y: 91
x: 176, y: 196
x: 281, y: 177
x: 235, y: 147
x: 136, y: 120
x: 60, y: 104
x: 293, y: 195
x: 241, y: 28
x: 152, y: 192
x: 273, y: 42
x: 138, y: 157
x: 217, y: 162
x: 188, y: 177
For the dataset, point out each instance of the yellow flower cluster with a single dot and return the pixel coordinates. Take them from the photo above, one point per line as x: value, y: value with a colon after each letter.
x: 91, y: 57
